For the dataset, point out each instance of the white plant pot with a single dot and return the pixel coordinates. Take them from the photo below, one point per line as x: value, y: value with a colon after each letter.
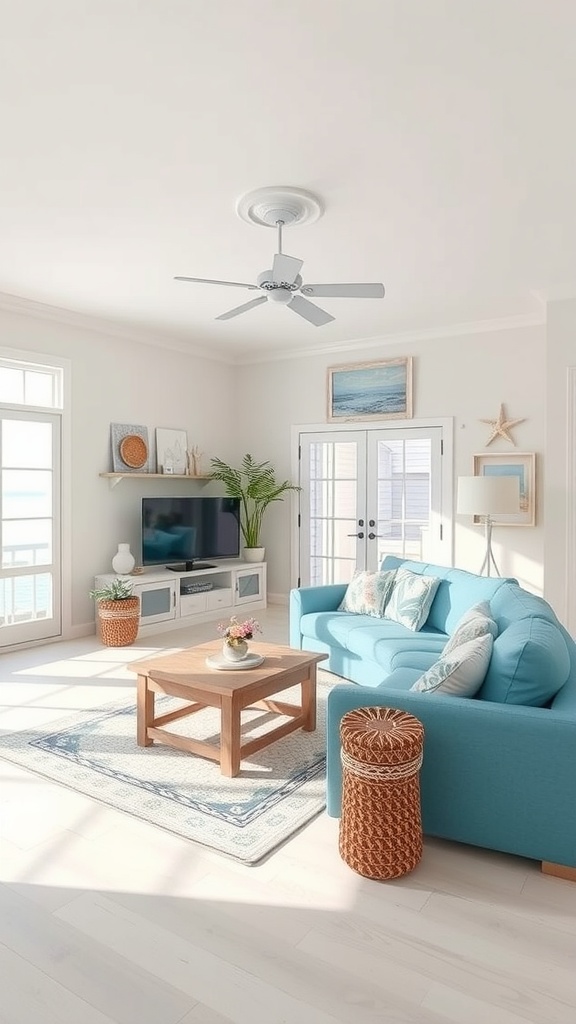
x: 254, y: 554
x: 236, y: 652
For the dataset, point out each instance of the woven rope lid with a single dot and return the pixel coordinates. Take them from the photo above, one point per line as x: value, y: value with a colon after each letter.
x: 133, y: 451
x: 381, y: 735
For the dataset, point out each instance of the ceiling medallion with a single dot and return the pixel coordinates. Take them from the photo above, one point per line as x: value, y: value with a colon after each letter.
x: 266, y: 206
x: 501, y: 427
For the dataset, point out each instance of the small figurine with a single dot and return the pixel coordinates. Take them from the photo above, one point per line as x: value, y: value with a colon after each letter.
x: 194, y: 457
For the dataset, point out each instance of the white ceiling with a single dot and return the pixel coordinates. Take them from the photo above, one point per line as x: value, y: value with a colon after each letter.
x: 439, y: 134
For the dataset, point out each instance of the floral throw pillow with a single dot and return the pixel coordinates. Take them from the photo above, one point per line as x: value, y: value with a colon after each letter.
x: 411, y: 598
x: 460, y: 673
x: 477, y: 621
x: 368, y: 592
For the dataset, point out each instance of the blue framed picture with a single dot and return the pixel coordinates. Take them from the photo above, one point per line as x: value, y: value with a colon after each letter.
x: 370, y: 391
x: 521, y: 465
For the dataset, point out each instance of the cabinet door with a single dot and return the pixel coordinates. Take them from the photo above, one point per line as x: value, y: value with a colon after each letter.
x: 249, y: 586
x: 157, y: 601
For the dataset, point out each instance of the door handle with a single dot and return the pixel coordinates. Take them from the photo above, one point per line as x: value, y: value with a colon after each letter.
x: 360, y: 535
x: 372, y: 536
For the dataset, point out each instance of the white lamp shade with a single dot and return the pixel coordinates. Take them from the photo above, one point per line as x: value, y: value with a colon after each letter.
x: 488, y: 495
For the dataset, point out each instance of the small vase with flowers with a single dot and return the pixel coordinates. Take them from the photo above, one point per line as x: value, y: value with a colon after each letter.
x: 236, y: 634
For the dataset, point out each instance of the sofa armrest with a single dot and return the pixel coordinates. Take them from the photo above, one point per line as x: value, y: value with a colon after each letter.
x: 312, y: 599
x: 495, y: 775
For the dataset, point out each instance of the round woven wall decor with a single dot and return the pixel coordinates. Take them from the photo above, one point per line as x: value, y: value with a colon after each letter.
x: 133, y: 451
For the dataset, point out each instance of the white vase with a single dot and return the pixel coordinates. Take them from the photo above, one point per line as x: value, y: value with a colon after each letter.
x: 123, y: 561
x: 254, y: 554
x: 236, y: 652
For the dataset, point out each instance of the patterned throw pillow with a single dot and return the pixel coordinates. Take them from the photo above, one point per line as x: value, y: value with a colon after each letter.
x: 411, y: 598
x: 460, y: 673
x: 368, y: 592
x: 477, y: 621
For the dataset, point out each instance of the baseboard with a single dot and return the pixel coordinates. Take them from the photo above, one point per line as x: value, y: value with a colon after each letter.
x: 278, y: 599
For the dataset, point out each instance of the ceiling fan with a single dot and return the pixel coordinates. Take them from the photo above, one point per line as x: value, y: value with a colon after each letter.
x: 283, y: 283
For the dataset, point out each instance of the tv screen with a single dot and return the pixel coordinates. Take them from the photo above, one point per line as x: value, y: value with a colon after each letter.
x: 186, y: 530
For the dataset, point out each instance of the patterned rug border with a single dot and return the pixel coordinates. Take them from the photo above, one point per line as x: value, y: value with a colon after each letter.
x: 38, y: 748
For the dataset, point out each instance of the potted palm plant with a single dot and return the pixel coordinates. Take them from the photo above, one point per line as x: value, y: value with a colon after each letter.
x: 118, y: 613
x: 255, y: 484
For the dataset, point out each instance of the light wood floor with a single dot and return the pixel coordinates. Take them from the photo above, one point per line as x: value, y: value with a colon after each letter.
x: 105, y: 919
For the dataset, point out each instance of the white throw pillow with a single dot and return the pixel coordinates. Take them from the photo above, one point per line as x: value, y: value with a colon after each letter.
x: 411, y: 598
x: 477, y: 621
x: 368, y: 592
x: 460, y: 673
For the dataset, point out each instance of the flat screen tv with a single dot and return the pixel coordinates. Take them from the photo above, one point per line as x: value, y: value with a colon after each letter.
x: 180, y: 532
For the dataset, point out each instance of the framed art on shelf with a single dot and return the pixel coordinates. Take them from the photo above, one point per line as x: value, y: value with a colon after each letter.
x: 130, y: 450
x: 171, y: 451
x: 521, y: 465
x: 370, y: 391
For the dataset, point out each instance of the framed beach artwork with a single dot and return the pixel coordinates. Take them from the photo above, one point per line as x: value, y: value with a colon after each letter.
x: 370, y: 391
x: 171, y: 449
x: 522, y: 465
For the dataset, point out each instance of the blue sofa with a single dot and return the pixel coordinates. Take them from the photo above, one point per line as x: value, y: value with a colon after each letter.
x: 499, y: 770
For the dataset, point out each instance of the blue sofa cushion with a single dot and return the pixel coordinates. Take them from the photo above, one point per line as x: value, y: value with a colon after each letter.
x: 457, y: 592
x: 529, y: 665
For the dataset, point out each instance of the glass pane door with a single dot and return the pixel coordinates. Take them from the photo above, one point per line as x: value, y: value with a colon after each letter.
x: 333, y: 467
x: 29, y: 527
x: 403, y: 492
x: 367, y: 494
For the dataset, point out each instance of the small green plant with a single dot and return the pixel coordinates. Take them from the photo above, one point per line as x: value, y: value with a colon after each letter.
x: 117, y: 590
x: 255, y: 484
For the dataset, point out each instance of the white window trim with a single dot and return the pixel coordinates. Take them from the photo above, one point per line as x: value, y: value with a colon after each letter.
x: 64, y: 411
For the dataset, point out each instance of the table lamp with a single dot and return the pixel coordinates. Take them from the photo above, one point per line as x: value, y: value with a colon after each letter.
x: 486, y: 497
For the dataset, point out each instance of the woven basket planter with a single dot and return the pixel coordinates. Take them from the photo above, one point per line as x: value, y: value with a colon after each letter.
x: 381, y: 823
x: 118, y: 621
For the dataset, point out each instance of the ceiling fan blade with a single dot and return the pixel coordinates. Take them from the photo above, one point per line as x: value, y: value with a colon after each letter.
x: 344, y: 291
x: 309, y: 311
x: 208, y: 280
x: 243, y: 309
x: 285, y: 269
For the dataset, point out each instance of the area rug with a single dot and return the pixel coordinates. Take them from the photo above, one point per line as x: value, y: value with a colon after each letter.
x: 279, y: 789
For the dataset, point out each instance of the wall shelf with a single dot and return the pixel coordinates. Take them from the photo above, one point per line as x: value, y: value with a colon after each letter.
x: 115, y: 478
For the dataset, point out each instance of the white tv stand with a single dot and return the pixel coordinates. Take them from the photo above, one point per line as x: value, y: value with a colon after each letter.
x: 236, y: 586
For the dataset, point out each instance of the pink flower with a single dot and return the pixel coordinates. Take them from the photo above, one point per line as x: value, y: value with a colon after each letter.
x: 235, y: 632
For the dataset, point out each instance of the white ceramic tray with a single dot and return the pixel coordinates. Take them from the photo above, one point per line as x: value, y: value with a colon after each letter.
x: 219, y: 661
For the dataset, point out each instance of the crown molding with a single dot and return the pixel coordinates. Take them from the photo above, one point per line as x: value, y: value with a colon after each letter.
x: 57, y: 314
x: 509, y: 323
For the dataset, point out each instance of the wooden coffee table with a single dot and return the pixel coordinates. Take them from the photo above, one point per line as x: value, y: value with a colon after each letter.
x: 185, y: 674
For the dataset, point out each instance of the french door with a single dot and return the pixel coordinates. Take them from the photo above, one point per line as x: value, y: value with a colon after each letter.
x: 29, y: 526
x: 366, y: 494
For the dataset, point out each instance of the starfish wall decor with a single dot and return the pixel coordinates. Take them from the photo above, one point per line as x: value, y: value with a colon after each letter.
x: 501, y: 427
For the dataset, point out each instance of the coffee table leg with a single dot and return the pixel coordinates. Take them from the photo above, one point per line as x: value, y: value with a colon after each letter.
x: 309, y: 701
x: 144, y: 712
x: 230, y: 738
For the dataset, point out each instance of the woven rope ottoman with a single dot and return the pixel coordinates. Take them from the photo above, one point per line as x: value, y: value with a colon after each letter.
x: 381, y: 823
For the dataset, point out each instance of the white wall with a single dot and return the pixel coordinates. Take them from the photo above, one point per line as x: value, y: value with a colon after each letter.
x: 231, y: 410
x: 464, y: 377
x: 116, y: 380
x: 561, y: 354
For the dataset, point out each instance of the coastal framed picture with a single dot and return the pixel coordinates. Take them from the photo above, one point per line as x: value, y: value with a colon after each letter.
x: 370, y: 391
x: 522, y: 465
x: 171, y: 448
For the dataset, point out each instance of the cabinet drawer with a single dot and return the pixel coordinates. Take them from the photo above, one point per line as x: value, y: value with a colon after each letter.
x: 220, y: 598
x: 190, y: 604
